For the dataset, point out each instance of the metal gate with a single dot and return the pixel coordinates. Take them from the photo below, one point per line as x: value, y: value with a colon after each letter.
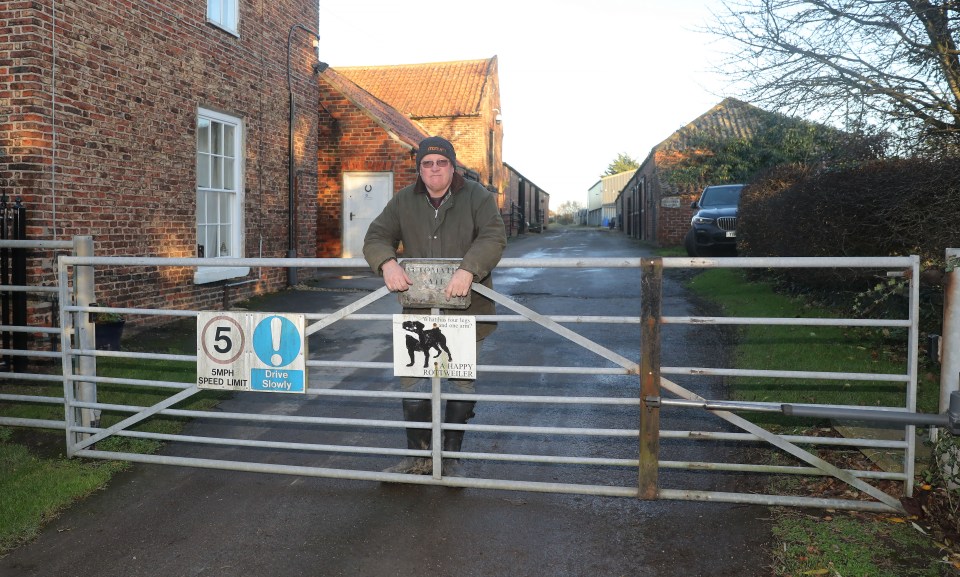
x: 13, y: 271
x: 643, y: 389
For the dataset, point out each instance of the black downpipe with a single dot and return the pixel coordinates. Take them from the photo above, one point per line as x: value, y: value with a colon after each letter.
x: 291, y: 194
x: 291, y: 171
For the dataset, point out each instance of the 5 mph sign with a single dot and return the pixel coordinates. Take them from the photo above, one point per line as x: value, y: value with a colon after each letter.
x: 251, y: 352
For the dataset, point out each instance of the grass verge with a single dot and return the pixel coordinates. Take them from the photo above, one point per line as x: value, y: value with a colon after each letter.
x: 828, y: 543
x: 37, y: 481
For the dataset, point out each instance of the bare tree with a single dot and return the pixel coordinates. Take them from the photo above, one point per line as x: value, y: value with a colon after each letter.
x: 567, y: 211
x: 889, y: 63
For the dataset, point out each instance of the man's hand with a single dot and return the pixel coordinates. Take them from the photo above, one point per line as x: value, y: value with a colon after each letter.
x: 395, y: 277
x: 459, y: 285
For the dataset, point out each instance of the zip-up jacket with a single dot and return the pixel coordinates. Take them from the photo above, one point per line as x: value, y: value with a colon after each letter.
x: 467, y: 226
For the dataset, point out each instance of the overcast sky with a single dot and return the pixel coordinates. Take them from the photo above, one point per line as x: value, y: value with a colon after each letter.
x: 580, y: 80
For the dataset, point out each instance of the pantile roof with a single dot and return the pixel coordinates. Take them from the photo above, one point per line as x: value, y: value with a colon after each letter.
x: 383, y: 114
x: 430, y: 90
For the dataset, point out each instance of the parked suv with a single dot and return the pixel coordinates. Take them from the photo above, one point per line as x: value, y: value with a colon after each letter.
x: 713, y: 227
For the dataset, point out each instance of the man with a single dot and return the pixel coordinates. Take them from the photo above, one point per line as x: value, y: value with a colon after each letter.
x: 441, y: 215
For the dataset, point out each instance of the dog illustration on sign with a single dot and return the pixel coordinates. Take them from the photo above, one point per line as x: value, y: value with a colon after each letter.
x: 425, y: 341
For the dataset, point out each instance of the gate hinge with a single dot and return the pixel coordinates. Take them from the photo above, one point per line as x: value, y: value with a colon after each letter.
x: 652, y: 402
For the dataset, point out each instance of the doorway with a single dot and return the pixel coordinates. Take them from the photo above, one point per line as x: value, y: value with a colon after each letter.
x: 364, y: 196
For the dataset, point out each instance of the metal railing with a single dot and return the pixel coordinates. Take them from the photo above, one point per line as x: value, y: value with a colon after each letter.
x: 19, y: 370
x: 13, y: 271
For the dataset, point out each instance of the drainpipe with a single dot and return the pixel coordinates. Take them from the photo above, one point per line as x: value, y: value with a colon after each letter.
x: 318, y: 67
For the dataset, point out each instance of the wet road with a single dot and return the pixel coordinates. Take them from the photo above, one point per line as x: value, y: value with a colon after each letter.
x: 173, y: 521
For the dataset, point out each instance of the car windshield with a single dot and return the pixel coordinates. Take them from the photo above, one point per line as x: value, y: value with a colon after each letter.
x: 721, y: 195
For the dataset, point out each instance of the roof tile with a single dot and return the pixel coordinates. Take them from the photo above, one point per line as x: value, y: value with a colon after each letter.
x: 407, y: 130
x: 430, y: 90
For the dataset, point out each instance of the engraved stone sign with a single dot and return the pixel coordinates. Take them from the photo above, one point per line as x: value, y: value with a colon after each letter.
x: 430, y: 277
x: 670, y: 202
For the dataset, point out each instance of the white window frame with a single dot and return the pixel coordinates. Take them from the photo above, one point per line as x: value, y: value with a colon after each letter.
x: 224, y: 14
x: 219, y: 180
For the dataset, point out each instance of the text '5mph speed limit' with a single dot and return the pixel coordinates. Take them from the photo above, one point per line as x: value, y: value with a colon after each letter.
x: 251, y: 352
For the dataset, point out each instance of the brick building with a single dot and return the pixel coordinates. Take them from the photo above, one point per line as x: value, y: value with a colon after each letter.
x: 458, y: 100
x: 653, y: 208
x: 161, y: 128
x: 367, y: 152
x: 371, y: 120
x: 527, y: 206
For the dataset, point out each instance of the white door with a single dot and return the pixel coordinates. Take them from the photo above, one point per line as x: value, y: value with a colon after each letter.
x: 364, y: 196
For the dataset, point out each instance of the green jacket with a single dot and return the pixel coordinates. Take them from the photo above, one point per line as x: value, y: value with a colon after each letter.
x: 467, y: 226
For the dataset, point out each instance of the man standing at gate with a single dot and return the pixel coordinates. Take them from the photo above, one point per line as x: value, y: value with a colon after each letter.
x: 441, y: 215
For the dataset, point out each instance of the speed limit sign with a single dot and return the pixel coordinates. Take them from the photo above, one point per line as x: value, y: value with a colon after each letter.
x: 222, y: 340
x: 251, y: 352
x: 221, y: 359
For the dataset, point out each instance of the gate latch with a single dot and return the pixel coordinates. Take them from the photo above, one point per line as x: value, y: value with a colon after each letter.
x: 652, y: 402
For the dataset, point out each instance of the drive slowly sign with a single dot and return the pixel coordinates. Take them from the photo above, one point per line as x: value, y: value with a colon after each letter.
x: 251, y: 352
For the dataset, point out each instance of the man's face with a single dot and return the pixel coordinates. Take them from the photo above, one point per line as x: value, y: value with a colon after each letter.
x: 437, y: 178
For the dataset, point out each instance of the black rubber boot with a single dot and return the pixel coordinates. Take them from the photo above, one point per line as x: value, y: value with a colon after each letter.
x: 415, y: 410
x: 458, y: 412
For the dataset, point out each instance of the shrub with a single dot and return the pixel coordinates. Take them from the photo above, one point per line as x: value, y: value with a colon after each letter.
x: 874, y: 208
x: 877, y: 208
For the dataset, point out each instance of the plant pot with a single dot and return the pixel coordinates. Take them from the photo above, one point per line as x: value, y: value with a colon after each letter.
x: 108, y: 335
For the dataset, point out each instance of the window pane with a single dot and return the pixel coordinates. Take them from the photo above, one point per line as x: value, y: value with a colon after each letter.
x: 201, y: 240
x: 213, y: 10
x: 216, y: 138
x: 211, y: 241
x: 228, y: 180
x: 203, y: 170
x: 212, y: 212
x: 228, y: 138
x: 226, y: 208
x: 230, y: 14
x: 201, y: 210
x: 203, y: 135
x: 225, y: 240
x: 216, y: 170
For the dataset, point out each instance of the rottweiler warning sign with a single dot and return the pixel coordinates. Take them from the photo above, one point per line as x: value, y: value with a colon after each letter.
x: 442, y: 346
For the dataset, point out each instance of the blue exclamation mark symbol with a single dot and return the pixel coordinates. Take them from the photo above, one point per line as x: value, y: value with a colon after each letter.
x: 276, y: 327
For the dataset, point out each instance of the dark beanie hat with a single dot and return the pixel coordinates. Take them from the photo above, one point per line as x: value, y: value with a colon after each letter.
x: 436, y: 145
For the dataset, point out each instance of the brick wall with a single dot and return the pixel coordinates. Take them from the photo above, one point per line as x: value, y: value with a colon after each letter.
x: 351, y: 141
x: 478, y: 139
x: 664, y: 225
x: 129, y: 78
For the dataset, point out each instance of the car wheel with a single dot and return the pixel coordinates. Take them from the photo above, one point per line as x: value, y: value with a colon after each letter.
x: 690, y: 243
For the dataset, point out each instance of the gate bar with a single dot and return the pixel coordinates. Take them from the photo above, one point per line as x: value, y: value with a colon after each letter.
x: 790, y: 448
x: 531, y: 486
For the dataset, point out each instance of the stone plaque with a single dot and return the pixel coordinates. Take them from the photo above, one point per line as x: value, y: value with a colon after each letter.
x: 430, y: 277
x: 670, y: 202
